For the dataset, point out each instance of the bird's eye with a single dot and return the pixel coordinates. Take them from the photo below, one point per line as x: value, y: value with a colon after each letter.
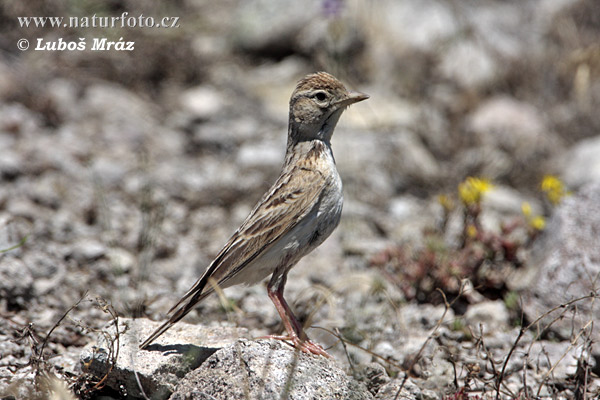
x: 320, y: 96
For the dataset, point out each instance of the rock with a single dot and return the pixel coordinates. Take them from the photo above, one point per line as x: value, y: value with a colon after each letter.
x: 224, y: 135
x: 108, y: 171
x: 48, y: 269
x: 561, y: 357
x: 582, y: 163
x: 267, y: 369
x: 565, y: 265
x: 426, y: 316
x: 404, y: 388
x: 417, y: 23
x: 374, y: 376
x: 491, y: 315
x: 266, y: 155
x: 122, y: 119
x: 268, y: 27
x: 11, y: 164
x: 203, y: 102
x: 16, y: 282
x: 9, y: 84
x: 159, y: 368
x: 121, y: 260
x: 469, y: 63
x: 485, y: 161
x: 85, y: 250
x: 511, y: 125
x: 409, y: 157
x: 62, y: 96
x: 508, y: 201
x: 17, y: 119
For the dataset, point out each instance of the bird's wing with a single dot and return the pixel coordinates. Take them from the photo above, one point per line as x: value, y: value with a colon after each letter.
x: 290, y: 199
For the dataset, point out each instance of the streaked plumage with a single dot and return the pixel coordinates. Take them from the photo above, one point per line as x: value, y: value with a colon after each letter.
x: 296, y: 215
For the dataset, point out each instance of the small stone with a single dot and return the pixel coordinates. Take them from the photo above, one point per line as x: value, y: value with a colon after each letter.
x: 203, y: 102
x: 87, y: 250
x: 582, y: 164
x: 16, y: 282
x: 491, y: 315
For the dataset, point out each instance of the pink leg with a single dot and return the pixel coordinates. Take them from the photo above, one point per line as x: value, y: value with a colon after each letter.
x: 294, y: 329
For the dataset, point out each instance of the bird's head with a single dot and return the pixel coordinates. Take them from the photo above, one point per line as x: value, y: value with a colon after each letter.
x: 317, y: 104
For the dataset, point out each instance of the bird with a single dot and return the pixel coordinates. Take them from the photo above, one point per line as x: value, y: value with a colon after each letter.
x: 300, y: 210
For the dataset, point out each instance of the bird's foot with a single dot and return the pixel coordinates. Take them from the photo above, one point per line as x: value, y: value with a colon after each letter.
x: 306, y: 346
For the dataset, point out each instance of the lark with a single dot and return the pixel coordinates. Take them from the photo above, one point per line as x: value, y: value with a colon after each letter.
x: 296, y: 215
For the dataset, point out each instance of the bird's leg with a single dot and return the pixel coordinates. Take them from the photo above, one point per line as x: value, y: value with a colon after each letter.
x: 296, y: 333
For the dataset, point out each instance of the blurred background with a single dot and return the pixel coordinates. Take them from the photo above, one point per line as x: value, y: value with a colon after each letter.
x: 126, y: 171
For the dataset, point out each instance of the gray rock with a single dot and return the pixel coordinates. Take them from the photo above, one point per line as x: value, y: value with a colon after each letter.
x: 419, y: 24
x: 582, y: 163
x: 9, y: 83
x: 267, y: 369
x: 203, y: 102
x: 565, y: 265
x: 16, y: 118
x: 512, y: 126
x: 160, y: 368
x: 87, y: 250
x: 62, y: 95
x: 409, y: 157
x: 374, y: 376
x: 271, y: 27
x: 486, y: 160
x: 123, y: 119
x: 404, y: 388
x: 16, y: 282
x: 561, y: 357
x: 11, y: 163
x: 266, y: 155
x: 469, y: 63
x: 492, y: 316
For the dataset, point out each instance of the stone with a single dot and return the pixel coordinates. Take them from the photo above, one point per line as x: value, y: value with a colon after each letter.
x: 268, y: 369
x: 469, y: 63
x: 85, y: 250
x: 565, y: 265
x: 16, y: 282
x: 582, y: 163
x: 404, y: 388
x: 492, y: 316
x: 278, y: 37
x: 202, y: 102
x: 160, y: 368
x: 510, y: 125
x: 417, y: 23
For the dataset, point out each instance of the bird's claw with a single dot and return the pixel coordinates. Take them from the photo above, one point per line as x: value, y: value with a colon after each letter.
x: 306, y: 346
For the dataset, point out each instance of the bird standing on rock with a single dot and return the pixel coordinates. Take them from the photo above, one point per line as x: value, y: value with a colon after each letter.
x: 296, y: 215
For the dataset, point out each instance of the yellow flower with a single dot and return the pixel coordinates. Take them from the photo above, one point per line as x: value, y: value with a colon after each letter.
x: 538, y: 223
x: 526, y: 209
x: 472, y: 189
x: 446, y: 202
x: 471, y: 231
x: 554, y: 189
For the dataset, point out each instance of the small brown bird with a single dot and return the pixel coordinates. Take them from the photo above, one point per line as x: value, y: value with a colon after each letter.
x: 295, y: 216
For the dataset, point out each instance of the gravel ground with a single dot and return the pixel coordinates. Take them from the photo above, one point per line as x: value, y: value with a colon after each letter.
x: 123, y: 172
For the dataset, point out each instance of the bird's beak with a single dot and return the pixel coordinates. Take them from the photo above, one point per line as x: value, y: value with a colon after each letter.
x: 353, y: 97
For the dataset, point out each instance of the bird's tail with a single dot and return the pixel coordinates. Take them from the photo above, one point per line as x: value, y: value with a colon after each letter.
x: 156, y: 334
x: 180, y: 310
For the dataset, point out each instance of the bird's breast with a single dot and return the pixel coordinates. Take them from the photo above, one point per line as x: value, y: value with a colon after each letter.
x: 331, y: 201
